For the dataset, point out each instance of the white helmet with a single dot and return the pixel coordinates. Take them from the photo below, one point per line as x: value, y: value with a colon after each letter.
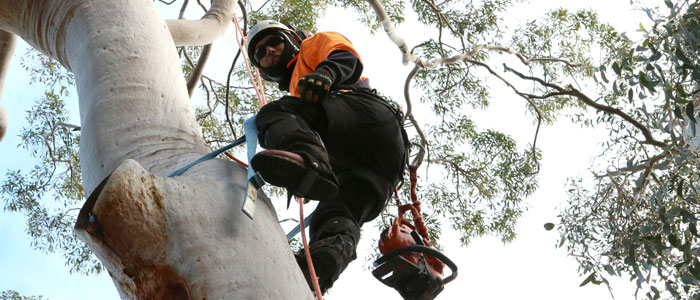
x: 261, y: 27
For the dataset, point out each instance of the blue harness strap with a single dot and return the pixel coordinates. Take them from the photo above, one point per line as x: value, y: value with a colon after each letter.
x: 297, y: 229
x: 254, y: 178
x: 208, y: 156
x: 255, y: 181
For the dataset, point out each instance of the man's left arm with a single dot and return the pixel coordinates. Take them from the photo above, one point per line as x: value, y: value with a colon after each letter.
x: 341, y: 67
x: 344, y: 67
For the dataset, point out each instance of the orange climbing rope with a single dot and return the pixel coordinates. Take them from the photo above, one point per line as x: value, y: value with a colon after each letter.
x: 312, y: 271
x: 258, y: 87
x: 262, y: 101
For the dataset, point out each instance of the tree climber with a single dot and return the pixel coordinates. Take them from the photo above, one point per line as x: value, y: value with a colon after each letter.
x: 333, y: 140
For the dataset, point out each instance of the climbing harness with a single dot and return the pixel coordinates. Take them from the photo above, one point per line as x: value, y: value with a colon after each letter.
x: 410, y: 263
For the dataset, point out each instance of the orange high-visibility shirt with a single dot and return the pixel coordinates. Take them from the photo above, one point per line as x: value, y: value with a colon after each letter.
x: 314, y: 50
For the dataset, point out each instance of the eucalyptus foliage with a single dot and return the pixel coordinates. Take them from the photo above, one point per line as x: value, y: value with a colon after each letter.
x: 14, y: 295
x: 638, y: 215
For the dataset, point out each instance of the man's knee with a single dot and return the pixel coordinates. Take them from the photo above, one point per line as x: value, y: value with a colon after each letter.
x: 336, y: 225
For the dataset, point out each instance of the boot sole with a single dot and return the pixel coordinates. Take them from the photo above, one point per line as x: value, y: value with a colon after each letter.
x: 285, y: 172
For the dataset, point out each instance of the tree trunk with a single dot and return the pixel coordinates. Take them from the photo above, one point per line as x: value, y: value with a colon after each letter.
x: 8, y: 43
x: 160, y: 238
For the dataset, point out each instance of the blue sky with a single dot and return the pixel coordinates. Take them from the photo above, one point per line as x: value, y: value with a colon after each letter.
x: 529, y: 268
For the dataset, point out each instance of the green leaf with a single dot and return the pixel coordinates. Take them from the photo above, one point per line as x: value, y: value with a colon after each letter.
x: 616, y: 68
x: 668, y: 3
x: 679, y: 53
x: 692, y: 227
x: 646, y: 229
x: 645, y: 82
x: 649, y: 250
x: 641, y: 27
x: 609, y: 269
x: 677, y: 112
x: 675, y: 242
x: 630, y: 95
x: 690, y: 112
x: 630, y: 259
x: 602, y: 74
x: 688, y: 279
x: 588, y: 279
x: 548, y: 226
x: 674, y: 212
x: 696, y: 267
x: 627, y: 243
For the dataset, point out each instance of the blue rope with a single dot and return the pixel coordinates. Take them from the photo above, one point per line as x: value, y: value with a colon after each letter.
x: 209, y: 156
x: 297, y: 229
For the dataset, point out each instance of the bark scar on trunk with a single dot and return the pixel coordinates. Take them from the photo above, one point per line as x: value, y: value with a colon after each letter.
x: 123, y: 221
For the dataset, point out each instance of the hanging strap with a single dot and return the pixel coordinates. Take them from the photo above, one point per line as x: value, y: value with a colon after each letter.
x: 209, y: 156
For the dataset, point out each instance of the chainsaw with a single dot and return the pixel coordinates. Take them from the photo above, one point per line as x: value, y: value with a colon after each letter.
x: 410, y: 263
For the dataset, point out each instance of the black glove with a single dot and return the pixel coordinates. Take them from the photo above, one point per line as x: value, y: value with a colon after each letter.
x: 314, y: 87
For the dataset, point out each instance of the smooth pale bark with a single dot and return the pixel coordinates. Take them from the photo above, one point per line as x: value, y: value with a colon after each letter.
x: 8, y: 43
x: 160, y: 238
x: 210, y: 27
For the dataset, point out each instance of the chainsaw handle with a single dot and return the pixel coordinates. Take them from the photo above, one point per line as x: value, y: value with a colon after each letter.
x: 425, y: 250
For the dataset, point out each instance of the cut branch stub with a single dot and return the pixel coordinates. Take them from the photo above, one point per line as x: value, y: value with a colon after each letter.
x: 123, y: 221
x: 186, y: 238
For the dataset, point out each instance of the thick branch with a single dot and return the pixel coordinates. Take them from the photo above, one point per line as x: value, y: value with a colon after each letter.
x: 198, y: 69
x: 409, y: 107
x: 8, y: 43
x: 206, y: 30
x: 650, y: 164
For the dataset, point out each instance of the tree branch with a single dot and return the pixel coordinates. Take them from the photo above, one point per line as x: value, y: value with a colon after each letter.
x: 651, y: 163
x: 206, y: 30
x: 571, y: 91
x: 409, y: 107
x: 50, y: 139
x: 228, y: 91
x: 182, y: 10
x: 198, y: 69
x: 527, y: 98
x: 410, y: 57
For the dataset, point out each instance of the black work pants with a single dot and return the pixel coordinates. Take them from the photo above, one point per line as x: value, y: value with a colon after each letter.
x: 364, y: 140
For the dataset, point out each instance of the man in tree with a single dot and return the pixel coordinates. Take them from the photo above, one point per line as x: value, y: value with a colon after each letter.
x: 333, y: 140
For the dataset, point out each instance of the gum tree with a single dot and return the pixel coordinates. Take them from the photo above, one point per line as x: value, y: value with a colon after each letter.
x: 163, y: 236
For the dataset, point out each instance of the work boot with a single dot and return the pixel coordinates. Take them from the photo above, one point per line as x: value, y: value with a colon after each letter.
x: 330, y: 257
x: 302, y: 176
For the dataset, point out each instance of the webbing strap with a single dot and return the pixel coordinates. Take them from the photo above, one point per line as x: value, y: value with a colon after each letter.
x: 251, y: 131
x: 297, y: 229
x: 208, y: 156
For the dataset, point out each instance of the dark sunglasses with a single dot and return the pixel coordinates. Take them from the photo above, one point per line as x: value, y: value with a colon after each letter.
x: 261, y: 50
